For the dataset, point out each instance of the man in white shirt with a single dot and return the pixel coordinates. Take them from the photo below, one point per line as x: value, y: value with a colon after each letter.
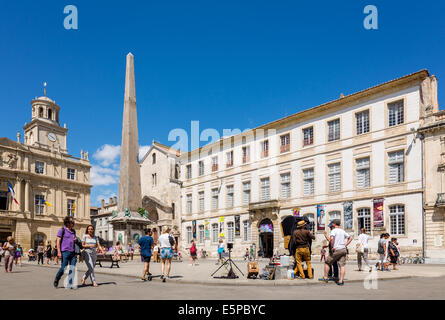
x: 362, y: 250
x: 339, y: 241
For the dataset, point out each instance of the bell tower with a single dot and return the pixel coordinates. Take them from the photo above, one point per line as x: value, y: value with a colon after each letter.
x: 44, y: 130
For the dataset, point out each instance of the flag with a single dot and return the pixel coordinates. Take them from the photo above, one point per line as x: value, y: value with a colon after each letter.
x: 74, y: 208
x: 11, y: 191
x: 43, y: 201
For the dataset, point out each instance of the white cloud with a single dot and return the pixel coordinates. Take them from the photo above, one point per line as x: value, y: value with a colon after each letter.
x: 100, y: 176
x: 142, y: 151
x: 107, y: 154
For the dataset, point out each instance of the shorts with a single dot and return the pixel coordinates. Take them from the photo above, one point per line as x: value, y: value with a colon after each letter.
x: 383, y: 258
x: 393, y: 259
x: 166, y: 253
x: 193, y: 255
x: 146, y: 259
x: 339, y: 256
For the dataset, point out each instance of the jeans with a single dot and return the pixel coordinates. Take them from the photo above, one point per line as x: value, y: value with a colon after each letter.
x: 333, y: 272
x: 40, y: 257
x: 8, y: 262
x: 363, y: 255
x: 67, y: 258
x: 90, y: 260
x: 303, y: 254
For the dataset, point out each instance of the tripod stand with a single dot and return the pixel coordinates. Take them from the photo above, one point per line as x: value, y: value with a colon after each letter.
x: 229, y: 262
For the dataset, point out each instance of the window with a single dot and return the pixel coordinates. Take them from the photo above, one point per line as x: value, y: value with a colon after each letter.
x: 246, y: 193
x: 334, y: 215
x: 362, y: 122
x: 71, y: 207
x: 154, y: 180
x: 364, y: 219
x: 334, y: 130
x: 308, y: 136
x: 310, y: 216
x: 246, y: 154
x: 201, y: 234
x: 189, y: 171
x: 214, y: 164
x: 230, y: 232
x: 214, y: 199
x: 40, y: 206
x: 154, y: 158
x: 39, y: 167
x: 71, y: 173
x: 176, y: 171
x: 173, y: 211
x: 229, y: 156
x: 395, y: 113
x: 265, y: 189
x: 4, y: 196
x: 285, y: 186
x: 189, y: 203
x: 397, y: 219
x: 265, y: 149
x: 189, y: 234
x: 201, y: 201
x: 50, y: 114
x: 363, y: 173
x: 246, y: 228
x: 230, y: 196
x: 285, y: 143
x: 215, y: 233
x: 334, y: 177
x: 201, y: 168
x: 106, y: 235
x: 41, y: 112
x: 100, y: 234
x: 308, y: 182
x: 396, y: 167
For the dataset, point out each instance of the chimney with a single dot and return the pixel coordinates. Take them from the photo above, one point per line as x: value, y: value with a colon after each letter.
x: 111, y: 201
x: 115, y: 200
x: 102, y: 202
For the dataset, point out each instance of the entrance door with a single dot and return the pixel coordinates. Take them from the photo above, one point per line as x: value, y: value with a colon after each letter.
x: 266, y: 244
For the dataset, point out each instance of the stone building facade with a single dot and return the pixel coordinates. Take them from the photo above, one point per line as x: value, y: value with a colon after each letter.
x: 101, y: 221
x: 41, y: 170
x: 362, y: 158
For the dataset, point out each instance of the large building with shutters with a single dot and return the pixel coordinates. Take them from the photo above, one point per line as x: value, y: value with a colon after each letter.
x: 359, y: 159
x: 49, y: 183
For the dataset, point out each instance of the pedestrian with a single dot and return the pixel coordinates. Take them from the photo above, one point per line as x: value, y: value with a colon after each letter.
x: 156, y: 253
x: 146, y: 244
x: 362, y: 249
x: 48, y: 252
x: 337, y: 239
x: 91, y: 244
x: 323, y: 253
x: 54, y: 255
x: 18, y: 255
x: 382, y: 250
x: 220, y: 251
x: 166, y: 242
x: 333, y: 270
x: 246, y: 255
x: 301, y: 239
x: 66, y: 239
x: 117, y: 254
x: 9, y: 248
x: 40, y: 251
x: 193, y: 253
x: 131, y: 250
x: 393, y: 253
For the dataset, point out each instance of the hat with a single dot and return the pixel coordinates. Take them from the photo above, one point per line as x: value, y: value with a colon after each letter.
x: 301, y: 224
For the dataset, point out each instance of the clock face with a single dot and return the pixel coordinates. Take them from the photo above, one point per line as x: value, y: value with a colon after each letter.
x: 52, y: 137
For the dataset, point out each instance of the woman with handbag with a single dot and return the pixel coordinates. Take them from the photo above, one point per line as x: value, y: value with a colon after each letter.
x: 166, y: 242
x: 90, y: 243
x: 362, y: 250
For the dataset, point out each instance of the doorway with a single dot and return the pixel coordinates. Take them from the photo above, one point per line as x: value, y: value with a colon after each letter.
x: 265, y: 232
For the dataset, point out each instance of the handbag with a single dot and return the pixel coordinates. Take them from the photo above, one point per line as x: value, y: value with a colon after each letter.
x: 360, y: 248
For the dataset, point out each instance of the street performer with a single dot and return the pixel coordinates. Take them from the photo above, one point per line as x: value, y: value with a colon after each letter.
x: 301, y: 239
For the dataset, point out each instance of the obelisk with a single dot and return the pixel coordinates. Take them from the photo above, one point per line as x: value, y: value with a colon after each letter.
x: 130, y: 177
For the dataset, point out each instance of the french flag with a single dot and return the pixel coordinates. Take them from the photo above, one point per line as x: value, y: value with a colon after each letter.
x: 11, y: 190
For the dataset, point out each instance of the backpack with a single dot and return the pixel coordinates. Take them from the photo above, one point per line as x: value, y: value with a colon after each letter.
x: 171, y: 240
x: 380, y: 249
x: 193, y: 249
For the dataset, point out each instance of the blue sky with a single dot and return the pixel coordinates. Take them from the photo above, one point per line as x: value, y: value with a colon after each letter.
x: 228, y: 64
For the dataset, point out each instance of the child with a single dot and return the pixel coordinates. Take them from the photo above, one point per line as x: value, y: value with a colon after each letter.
x: 323, y: 253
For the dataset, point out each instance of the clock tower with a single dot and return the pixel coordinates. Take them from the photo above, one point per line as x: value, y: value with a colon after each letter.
x: 44, y: 130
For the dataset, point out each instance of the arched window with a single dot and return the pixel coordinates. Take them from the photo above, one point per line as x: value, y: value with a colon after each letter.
x: 397, y: 219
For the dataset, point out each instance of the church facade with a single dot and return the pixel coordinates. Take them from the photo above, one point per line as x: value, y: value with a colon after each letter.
x: 49, y: 183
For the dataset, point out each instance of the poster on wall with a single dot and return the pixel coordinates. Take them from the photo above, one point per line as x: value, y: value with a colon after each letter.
x: 378, y: 213
x: 206, y: 229
x: 237, y: 226
x: 321, y: 217
x: 296, y: 212
x: 347, y: 211
x: 194, y: 229
x: 221, y: 227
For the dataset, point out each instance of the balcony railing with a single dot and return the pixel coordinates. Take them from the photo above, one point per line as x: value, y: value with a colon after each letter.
x: 440, y: 201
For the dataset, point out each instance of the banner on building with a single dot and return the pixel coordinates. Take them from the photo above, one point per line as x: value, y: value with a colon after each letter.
x: 321, y: 217
x: 378, y: 213
x: 206, y: 229
x: 194, y: 229
x: 348, y: 215
x: 296, y: 212
x: 221, y: 227
x: 237, y: 226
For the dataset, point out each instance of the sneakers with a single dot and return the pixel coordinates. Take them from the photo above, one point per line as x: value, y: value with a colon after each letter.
x: 326, y: 280
x: 56, y: 283
x: 163, y: 278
